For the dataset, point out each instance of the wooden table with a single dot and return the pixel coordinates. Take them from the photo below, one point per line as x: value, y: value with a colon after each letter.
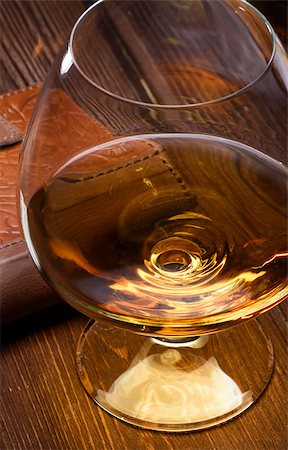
x: 43, y: 403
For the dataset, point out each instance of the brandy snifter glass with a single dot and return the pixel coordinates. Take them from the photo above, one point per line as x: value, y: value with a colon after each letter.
x: 153, y: 199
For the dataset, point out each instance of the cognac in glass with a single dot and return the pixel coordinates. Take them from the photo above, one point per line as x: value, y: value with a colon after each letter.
x: 153, y: 199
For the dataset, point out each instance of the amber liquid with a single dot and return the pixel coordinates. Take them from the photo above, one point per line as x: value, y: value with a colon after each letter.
x: 171, y: 234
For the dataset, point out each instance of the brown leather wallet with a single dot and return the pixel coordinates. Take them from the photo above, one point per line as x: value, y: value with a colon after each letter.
x: 22, y: 289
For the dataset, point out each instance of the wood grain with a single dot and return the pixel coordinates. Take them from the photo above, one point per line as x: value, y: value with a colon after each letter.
x: 43, y: 403
x: 32, y: 32
x: 45, y: 407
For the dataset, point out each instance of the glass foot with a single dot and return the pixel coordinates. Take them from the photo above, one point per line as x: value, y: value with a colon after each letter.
x: 180, y: 386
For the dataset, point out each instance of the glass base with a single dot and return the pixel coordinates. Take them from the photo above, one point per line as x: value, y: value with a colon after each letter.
x: 181, y: 386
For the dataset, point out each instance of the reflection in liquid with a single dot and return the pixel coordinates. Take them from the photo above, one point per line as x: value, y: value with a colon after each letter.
x: 159, y: 388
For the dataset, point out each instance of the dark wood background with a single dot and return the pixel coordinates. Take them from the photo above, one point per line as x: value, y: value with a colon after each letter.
x: 43, y: 403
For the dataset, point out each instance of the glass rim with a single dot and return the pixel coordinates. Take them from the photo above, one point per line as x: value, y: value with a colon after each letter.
x: 161, y: 106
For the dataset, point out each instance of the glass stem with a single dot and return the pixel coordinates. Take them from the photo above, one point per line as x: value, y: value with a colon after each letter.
x: 192, y: 341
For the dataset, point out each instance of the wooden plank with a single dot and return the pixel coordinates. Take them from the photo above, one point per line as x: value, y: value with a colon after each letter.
x: 43, y: 403
x: 45, y: 406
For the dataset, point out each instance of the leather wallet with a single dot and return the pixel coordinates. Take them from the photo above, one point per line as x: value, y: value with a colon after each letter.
x: 22, y: 289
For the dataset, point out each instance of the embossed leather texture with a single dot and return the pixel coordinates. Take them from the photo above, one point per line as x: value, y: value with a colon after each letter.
x: 22, y: 289
x: 16, y: 108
